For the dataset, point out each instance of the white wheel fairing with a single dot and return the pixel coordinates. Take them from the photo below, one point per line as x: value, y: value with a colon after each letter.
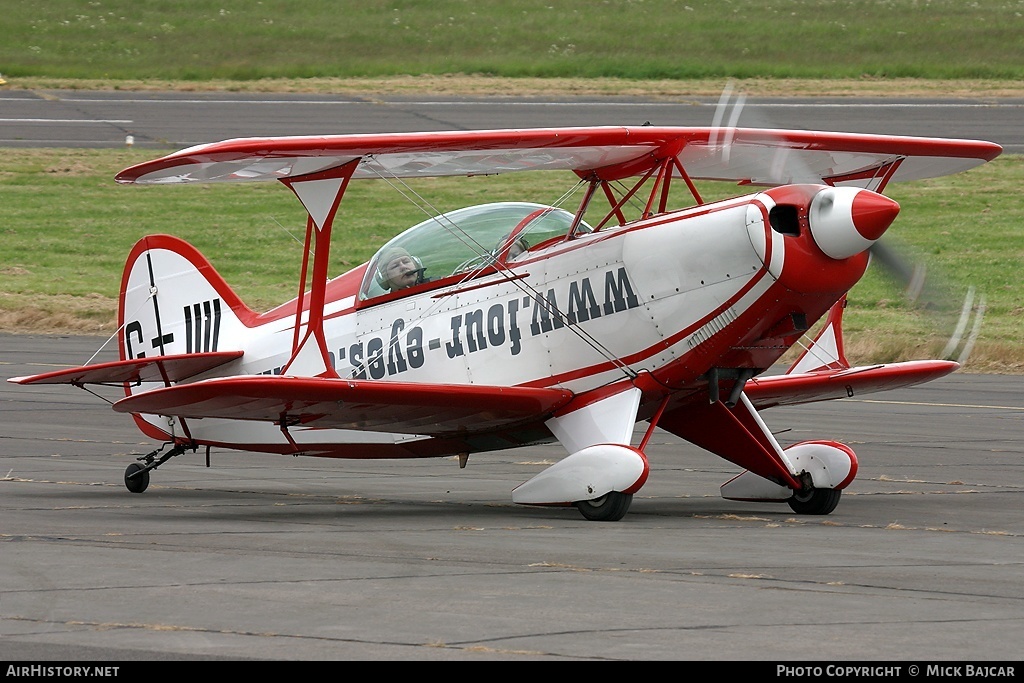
x: 586, y: 475
x: 831, y: 465
x: 750, y: 487
x: 609, y: 420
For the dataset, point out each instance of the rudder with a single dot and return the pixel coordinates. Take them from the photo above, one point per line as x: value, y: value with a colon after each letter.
x: 172, y: 301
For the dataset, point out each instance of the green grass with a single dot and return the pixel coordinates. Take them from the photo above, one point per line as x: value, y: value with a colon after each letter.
x: 967, y: 229
x: 636, y: 39
x: 67, y: 228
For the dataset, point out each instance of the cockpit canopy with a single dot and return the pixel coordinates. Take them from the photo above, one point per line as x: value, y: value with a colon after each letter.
x: 469, y: 241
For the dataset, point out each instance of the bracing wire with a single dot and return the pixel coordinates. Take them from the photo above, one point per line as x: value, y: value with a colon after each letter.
x: 292, y: 235
x: 490, y: 259
x: 152, y: 293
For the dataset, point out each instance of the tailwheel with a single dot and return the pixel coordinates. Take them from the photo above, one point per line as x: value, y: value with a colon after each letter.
x: 136, y: 477
x: 814, y: 501
x: 611, y: 507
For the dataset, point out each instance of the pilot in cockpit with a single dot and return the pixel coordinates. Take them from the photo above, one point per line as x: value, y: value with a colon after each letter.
x: 399, y: 269
x: 517, y: 247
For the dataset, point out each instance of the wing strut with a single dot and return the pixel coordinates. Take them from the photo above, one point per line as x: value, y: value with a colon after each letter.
x: 320, y: 193
x: 662, y: 171
x: 616, y: 209
x: 689, y: 182
x: 299, y: 300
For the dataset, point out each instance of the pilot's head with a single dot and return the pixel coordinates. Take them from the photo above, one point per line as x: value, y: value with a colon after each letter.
x: 398, y: 269
x: 517, y: 247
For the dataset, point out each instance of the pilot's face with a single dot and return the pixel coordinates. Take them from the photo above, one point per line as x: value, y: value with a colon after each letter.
x: 400, y: 272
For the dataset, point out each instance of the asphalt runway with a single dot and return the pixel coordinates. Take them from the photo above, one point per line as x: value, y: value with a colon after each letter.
x: 174, y: 120
x: 262, y: 557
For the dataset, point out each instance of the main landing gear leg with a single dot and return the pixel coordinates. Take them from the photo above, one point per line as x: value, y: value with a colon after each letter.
x: 136, y: 476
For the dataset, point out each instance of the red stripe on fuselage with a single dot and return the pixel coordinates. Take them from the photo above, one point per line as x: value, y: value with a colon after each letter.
x: 650, y: 351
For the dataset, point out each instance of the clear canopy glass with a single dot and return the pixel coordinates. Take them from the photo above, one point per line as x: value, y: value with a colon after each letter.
x: 469, y: 240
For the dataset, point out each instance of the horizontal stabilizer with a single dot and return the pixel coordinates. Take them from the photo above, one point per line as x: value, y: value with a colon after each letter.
x: 321, y: 402
x: 825, y: 385
x: 167, y: 369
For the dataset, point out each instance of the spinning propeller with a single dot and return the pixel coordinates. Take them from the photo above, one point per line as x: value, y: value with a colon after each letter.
x: 922, y: 289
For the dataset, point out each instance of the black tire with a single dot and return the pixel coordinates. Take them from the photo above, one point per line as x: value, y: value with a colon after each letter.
x: 138, y: 483
x: 815, y: 501
x: 610, y: 507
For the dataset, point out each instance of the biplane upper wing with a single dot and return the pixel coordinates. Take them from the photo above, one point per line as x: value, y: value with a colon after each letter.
x: 172, y: 368
x: 743, y: 155
x: 399, y: 407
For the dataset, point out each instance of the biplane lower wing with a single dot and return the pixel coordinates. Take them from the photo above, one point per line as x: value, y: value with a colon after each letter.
x: 823, y: 373
x: 827, y: 385
x: 319, y: 402
x: 167, y: 369
x: 738, y: 434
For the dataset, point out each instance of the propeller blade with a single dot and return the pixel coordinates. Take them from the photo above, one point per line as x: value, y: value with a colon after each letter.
x: 935, y: 297
x: 921, y: 288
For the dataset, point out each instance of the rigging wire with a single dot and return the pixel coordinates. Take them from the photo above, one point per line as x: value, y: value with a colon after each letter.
x: 490, y: 259
x: 152, y: 293
x: 288, y: 232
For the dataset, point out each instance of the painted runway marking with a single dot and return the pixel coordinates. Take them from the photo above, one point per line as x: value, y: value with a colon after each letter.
x: 935, y: 405
x: 6, y: 120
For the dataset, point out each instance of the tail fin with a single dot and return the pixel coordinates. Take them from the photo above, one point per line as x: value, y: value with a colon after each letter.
x: 173, y: 302
x: 826, y: 351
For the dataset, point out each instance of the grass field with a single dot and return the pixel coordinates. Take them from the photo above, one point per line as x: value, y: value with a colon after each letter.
x: 245, y: 40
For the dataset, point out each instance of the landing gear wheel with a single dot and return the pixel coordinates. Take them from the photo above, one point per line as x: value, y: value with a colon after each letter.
x: 139, y: 482
x: 814, y: 501
x: 611, y: 507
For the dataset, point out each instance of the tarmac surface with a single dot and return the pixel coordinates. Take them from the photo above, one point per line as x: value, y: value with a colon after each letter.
x: 272, y: 558
x: 163, y: 120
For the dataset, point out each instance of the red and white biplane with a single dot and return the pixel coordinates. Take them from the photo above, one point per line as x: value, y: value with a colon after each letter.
x: 511, y: 324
